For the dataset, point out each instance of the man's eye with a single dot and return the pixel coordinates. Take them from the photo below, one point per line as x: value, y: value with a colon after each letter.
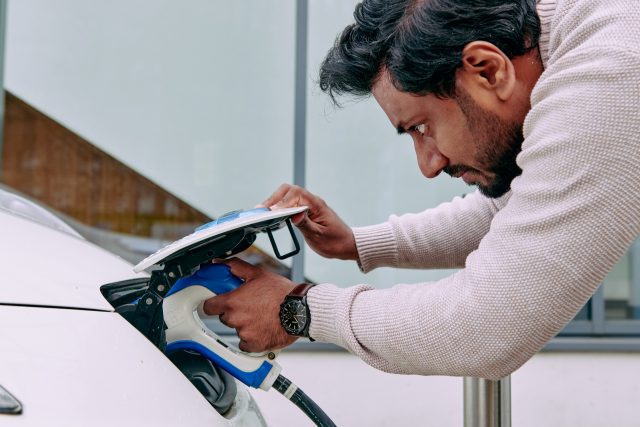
x: 418, y: 128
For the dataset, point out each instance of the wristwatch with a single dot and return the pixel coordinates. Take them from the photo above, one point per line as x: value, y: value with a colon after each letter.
x: 294, y: 312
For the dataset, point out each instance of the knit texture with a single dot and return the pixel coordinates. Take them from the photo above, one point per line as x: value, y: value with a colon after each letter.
x: 531, y: 258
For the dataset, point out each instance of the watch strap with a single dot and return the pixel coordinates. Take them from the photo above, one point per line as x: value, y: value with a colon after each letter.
x: 300, y: 290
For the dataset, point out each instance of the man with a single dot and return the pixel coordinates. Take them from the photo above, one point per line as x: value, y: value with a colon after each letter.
x: 537, y: 105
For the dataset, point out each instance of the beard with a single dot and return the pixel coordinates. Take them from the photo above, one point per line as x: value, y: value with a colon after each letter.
x: 498, y: 143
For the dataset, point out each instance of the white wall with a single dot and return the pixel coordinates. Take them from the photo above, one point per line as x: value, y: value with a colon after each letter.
x: 551, y: 390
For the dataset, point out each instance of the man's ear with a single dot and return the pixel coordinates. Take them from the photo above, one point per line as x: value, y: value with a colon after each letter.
x: 485, y: 68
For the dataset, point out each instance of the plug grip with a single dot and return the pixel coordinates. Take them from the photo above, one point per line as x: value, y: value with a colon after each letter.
x: 215, y: 277
x: 182, y: 308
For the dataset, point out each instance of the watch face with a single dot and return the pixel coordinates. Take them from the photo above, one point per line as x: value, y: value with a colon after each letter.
x: 293, y: 316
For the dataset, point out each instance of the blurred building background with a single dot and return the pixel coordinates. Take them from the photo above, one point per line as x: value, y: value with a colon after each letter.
x: 139, y: 120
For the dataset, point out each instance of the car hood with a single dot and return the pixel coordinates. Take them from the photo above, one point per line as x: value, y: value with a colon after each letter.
x: 47, y: 267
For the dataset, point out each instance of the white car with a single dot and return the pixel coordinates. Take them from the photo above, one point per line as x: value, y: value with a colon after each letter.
x: 68, y: 358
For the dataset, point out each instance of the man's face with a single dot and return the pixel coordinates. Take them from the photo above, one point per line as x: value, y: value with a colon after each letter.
x: 455, y: 136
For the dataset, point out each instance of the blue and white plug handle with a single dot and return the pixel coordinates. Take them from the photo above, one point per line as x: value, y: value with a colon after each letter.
x: 182, y: 308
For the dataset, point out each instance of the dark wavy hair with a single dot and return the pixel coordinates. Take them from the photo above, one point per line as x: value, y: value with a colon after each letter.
x: 420, y: 42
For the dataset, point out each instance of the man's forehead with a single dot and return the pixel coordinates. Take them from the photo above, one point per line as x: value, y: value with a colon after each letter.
x: 400, y: 107
x: 382, y: 84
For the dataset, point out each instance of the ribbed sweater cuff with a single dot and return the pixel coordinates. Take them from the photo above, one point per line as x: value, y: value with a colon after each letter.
x: 376, y: 246
x: 330, y: 308
x: 323, y: 303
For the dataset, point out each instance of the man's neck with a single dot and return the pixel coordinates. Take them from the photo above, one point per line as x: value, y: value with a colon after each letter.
x: 528, y: 68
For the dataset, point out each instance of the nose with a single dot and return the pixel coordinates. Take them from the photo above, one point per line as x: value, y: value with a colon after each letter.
x: 430, y: 160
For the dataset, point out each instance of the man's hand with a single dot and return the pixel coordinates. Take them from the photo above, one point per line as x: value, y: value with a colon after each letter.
x: 323, y: 230
x: 253, y: 309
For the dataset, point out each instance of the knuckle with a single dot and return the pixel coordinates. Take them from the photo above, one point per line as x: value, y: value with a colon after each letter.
x: 230, y: 308
x: 228, y: 319
x: 282, y: 189
x: 223, y: 320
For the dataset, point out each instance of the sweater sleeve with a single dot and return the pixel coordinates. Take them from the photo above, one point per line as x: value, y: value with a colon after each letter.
x: 436, y: 238
x: 572, y: 214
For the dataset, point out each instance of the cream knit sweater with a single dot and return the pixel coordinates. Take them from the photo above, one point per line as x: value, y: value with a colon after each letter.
x: 531, y: 258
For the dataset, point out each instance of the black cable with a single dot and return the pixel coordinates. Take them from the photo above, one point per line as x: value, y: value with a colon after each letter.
x: 302, y: 401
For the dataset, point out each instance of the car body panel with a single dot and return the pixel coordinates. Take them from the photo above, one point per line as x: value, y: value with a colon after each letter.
x: 78, y: 368
x: 44, y: 266
x: 20, y: 206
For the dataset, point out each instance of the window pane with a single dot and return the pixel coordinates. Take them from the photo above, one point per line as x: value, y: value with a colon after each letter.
x: 622, y: 287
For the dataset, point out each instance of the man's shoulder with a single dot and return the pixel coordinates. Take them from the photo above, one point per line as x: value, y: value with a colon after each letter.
x: 584, y: 24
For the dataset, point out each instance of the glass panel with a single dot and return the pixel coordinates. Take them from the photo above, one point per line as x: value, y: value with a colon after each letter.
x: 584, y: 313
x: 622, y: 287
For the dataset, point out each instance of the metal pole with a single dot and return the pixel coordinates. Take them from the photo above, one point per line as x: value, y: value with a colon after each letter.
x: 487, y: 403
x: 3, y: 31
x: 300, y: 121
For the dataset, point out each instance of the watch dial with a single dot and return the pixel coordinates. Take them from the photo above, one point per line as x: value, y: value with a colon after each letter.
x: 293, y: 316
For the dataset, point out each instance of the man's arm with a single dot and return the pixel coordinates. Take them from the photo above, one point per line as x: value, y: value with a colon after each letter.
x: 437, y: 238
x: 252, y: 309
